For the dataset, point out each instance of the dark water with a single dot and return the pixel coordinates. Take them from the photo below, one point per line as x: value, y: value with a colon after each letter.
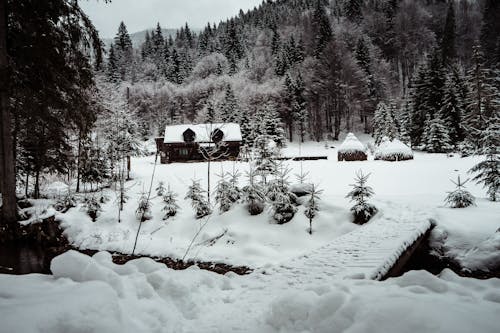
x: 19, y: 258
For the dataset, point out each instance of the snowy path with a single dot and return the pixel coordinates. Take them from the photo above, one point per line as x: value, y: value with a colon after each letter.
x: 367, y: 252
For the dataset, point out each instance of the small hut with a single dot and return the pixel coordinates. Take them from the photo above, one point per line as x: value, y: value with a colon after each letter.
x: 393, y: 151
x: 352, y: 149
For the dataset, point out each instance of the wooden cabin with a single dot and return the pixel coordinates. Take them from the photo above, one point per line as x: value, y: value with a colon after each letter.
x: 189, y: 143
x: 352, y: 149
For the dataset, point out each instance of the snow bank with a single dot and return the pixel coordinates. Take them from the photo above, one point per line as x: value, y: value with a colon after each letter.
x: 91, y: 294
x: 394, y: 150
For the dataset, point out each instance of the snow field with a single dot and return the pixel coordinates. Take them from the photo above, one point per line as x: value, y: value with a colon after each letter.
x: 91, y: 294
x: 256, y: 241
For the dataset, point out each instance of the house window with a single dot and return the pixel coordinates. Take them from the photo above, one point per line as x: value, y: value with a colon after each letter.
x: 183, y: 152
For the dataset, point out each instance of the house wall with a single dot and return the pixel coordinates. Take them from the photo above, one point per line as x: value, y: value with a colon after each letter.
x: 189, y: 152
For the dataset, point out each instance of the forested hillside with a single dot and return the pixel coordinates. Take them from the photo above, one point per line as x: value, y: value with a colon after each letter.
x: 411, y: 69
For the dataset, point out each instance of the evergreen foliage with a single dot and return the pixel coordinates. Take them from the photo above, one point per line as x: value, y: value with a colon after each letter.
x: 436, y: 136
x: 170, y: 206
x: 311, y: 206
x: 363, y: 211
x: 198, y: 201
x: 460, y: 197
x: 253, y: 195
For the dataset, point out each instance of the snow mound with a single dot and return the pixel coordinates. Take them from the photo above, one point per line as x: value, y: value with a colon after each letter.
x: 351, y: 144
x: 394, y: 150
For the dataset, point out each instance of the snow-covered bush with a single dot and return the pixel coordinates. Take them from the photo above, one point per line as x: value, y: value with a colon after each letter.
x: 394, y: 150
x: 92, y: 207
x: 143, y: 211
x: 312, y: 207
x: 460, y: 198
x: 65, y: 202
x: 170, y: 206
x: 198, y: 201
x: 362, y: 210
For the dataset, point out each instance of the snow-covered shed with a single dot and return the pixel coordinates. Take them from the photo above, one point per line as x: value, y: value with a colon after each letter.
x: 393, y: 151
x: 352, y: 149
x: 182, y: 143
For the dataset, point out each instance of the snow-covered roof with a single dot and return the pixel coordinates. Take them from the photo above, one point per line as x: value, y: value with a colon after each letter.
x: 351, y: 143
x: 394, y: 147
x: 174, y: 134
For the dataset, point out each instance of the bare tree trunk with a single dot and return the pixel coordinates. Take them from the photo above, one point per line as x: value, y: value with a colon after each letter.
x: 8, y: 175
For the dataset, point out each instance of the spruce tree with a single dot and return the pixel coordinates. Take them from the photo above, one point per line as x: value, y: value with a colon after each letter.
x: 253, y: 195
x: 311, y: 206
x: 452, y: 112
x: 230, y: 110
x: 489, y: 30
x: 436, y: 135
x: 198, y: 201
x: 281, y: 199
x: 227, y: 193
x: 384, y: 123
x: 460, y: 198
x: 321, y: 28
x: 363, y: 211
x: 352, y: 10
x: 123, y: 51
x: 488, y: 171
x: 170, y: 206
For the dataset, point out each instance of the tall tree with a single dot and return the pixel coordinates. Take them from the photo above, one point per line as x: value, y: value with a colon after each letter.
x: 321, y: 28
x: 489, y: 30
x: 448, y: 50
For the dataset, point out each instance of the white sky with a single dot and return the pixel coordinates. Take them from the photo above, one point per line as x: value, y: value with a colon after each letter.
x: 142, y: 14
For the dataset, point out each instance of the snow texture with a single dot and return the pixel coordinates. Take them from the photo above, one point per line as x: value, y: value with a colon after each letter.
x: 393, y: 150
x: 173, y: 134
x: 351, y: 144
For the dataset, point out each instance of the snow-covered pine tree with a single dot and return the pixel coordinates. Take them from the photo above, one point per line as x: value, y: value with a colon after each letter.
x: 170, y: 206
x: 488, y: 171
x: 92, y: 207
x: 265, y: 152
x: 143, y: 211
x: 230, y: 110
x: 281, y: 199
x: 452, y: 112
x: 253, y: 194
x: 436, y: 136
x: 363, y: 211
x: 198, y: 201
x: 460, y: 197
x: 311, y: 206
x: 226, y: 195
x: 160, y: 189
x: 384, y: 123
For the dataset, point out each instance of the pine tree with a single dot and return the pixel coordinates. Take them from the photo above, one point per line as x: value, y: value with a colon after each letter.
x: 363, y: 211
x: 460, y: 198
x: 311, y: 206
x: 227, y: 193
x: 230, y: 110
x: 451, y: 111
x: 282, y: 200
x: 143, y: 211
x: 436, y: 136
x: 112, y: 71
x: 488, y: 171
x: 352, y: 10
x: 253, y: 195
x: 123, y: 51
x: 160, y: 189
x: 146, y: 48
x: 384, y: 123
x: 170, y: 206
x: 321, y: 28
x: 489, y: 30
x: 92, y: 207
x: 198, y: 200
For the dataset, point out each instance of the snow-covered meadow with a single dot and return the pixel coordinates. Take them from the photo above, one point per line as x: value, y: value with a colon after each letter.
x: 237, y: 238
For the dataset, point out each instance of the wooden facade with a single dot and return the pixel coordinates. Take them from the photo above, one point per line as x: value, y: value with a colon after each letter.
x: 188, y: 145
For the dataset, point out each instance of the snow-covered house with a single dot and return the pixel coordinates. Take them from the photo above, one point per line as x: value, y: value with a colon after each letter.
x: 352, y: 149
x: 187, y: 143
x: 393, y: 151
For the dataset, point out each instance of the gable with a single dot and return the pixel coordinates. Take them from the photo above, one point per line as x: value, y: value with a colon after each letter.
x: 202, y: 132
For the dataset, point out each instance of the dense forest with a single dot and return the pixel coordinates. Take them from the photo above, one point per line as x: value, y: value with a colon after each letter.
x: 424, y: 71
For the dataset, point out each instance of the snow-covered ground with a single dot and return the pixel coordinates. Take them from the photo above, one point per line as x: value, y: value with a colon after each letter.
x: 94, y: 295
x: 467, y: 235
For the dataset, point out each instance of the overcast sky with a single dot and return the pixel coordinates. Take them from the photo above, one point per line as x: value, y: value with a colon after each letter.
x: 142, y: 14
